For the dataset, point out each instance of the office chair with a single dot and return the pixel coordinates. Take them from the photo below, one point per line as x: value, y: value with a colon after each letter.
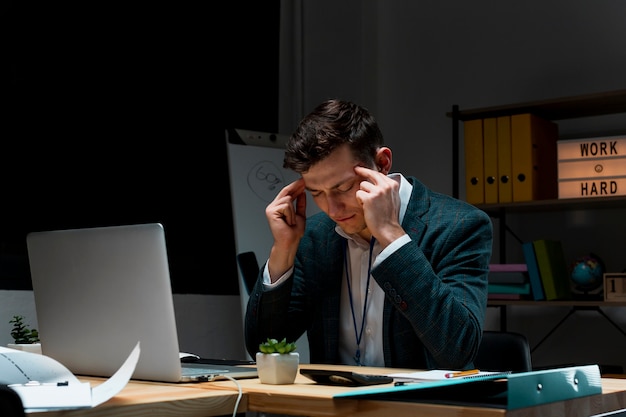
x: 10, y: 403
x: 249, y: 267
x: 503, y: 351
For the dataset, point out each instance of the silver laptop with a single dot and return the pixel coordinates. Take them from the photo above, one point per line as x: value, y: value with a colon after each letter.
x: 98, y: 291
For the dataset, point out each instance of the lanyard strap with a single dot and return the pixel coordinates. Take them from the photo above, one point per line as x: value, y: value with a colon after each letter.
x: 358, y: 333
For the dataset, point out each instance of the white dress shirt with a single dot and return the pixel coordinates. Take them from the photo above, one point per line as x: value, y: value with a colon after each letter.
x: 371, y: 346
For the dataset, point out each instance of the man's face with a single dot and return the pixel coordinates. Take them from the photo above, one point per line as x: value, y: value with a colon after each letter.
x: 333, y: 184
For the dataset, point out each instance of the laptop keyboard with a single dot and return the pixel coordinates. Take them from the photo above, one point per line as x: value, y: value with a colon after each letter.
x: 197, y: 370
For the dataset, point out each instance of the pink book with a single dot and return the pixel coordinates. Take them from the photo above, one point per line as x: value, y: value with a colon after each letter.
x: 508, y: 268
x: 496, y: 296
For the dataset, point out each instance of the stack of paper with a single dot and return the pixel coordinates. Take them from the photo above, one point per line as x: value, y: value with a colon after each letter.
x: 444, y: 374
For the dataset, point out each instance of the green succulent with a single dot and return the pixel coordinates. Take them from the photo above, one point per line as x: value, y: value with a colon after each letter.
x: 274, y: 346
x: 21, y: 333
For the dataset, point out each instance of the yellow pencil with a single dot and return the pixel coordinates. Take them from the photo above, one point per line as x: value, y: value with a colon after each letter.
x: 462, y: 373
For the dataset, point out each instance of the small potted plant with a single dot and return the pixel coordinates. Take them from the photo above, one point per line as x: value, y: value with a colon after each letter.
x: 277, y: 362
x: 24, y: 337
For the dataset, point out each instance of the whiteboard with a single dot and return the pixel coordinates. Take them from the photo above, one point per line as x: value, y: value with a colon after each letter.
x: 255, y: 161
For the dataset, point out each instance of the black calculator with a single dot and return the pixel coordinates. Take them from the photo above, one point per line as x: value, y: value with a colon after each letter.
x: 344, y: 378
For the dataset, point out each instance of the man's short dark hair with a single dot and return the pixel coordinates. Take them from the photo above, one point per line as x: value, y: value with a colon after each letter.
x: 330, y: 125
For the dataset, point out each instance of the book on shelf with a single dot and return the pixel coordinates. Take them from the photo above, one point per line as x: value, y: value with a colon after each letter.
x: 553, y: 269
x: 536, y: 286
x: 500, y: 296
x: 534, y: 163
x: 508, y: 274
x: 508, y: 267
x: 523, y: 289
x: 473, y: 140
x: 511, y: 277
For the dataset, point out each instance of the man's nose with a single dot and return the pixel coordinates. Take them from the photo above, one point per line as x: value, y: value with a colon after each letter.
x: 334, y: 205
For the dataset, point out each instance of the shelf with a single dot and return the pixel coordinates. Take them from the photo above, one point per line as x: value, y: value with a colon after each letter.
x: 599, y: 104
x: 594, y: 203
x: 556, y: 303
x: 573, y: 305
x: 555, y: 109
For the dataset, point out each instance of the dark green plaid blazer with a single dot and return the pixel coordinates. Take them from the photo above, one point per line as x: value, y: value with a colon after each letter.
x: 435, y: 288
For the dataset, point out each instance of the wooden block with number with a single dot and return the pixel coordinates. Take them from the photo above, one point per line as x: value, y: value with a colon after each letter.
x: 615, y: 286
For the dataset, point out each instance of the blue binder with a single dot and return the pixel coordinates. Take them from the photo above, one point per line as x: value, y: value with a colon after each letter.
x: 513, y: 391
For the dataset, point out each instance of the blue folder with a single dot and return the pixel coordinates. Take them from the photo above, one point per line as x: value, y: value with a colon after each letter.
x: 512, y: 391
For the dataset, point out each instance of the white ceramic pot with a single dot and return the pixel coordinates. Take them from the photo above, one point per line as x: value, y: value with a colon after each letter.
x: 27, y: 347
x: 277, y: 368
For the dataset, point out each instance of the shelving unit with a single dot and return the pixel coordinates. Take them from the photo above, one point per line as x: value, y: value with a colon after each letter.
x: 600, y: 104
x: 606, y: 103
x: 501, y: 210
x: 573, y: 307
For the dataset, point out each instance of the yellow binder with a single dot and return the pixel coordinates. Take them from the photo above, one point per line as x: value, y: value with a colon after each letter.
x: 534, y: 163
x: 505, y: 180
x: 473, y: 141
x: 490, y: 162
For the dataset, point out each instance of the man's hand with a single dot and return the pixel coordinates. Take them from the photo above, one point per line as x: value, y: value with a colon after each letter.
x: 286, y: 216
x: 380, y: 197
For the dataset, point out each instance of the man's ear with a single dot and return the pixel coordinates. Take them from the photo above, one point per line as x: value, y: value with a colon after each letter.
x: 383, y: 160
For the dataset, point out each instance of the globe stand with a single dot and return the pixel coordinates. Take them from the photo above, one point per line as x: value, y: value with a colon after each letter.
x: 586, y: 281
x: 596, y: 294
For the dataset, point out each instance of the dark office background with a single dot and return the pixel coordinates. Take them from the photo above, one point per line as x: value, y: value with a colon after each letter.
x: 115, y: 114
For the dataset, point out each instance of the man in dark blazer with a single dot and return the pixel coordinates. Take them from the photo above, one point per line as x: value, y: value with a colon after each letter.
x: 390, y: 273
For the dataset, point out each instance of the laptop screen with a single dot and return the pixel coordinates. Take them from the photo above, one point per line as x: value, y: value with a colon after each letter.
x: 100, y: 290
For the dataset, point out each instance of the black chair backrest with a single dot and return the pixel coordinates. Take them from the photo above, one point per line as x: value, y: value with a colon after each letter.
x: 249, y: 268
x: 503, y: 351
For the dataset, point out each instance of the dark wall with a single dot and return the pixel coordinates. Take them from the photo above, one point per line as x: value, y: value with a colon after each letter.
x: 116, y: 114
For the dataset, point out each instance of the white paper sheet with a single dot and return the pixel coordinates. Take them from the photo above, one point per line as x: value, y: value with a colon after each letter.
x: 439, y: 375
x: 45, y: 384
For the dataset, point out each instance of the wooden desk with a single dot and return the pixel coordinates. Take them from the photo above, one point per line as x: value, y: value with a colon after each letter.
x: 305, y: 398
x: 143, y: 399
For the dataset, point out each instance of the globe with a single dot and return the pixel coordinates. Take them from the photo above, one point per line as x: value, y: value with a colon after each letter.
x: 587, y: 273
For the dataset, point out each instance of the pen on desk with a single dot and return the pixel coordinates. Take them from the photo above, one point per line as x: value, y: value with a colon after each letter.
x: 462, y: 373
x: 403, y: 383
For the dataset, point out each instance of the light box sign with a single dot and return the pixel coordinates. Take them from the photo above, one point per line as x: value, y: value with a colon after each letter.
x: 592, y: 167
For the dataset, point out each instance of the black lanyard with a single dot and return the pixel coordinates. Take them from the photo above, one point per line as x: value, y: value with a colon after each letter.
x: 358, y: 334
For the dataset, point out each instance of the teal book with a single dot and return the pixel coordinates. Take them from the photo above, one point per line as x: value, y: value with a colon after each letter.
x: 523, y: 289
x: 553, y: 269
x: 536, y: 286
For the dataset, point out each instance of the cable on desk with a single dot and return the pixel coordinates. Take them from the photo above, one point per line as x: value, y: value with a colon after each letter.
x: 238, y: 396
